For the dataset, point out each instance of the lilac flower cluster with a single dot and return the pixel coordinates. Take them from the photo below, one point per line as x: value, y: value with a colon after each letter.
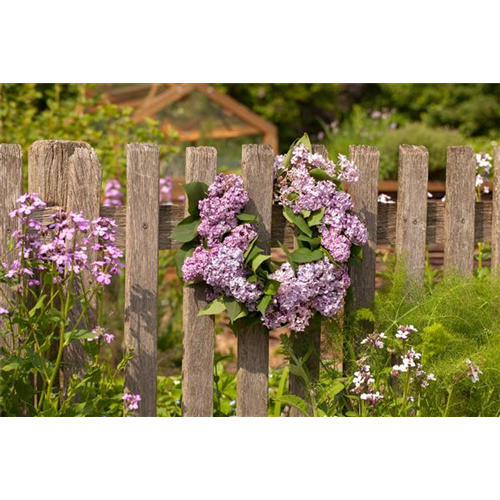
x: 222, y: 268
x: 132, y: 401
x: 113, y: 194
x: 226, y: 199
x: 297, y: 188
x: 220, y: 262
x: 61, y: 245
x: 318, y: 286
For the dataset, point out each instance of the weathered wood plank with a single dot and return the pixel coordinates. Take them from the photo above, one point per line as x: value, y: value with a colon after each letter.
x: 411, y: 218
x: 11, y: 187
x: 253, y: 342
x: 141, y: 273
x: 67, y: 174
x: 302, y: 342
x: 495, y: 224
x: 365, y: 197
x: 459, y: 210
x: 199, y: 331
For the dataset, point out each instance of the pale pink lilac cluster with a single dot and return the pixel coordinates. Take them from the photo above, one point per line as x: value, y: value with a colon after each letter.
x: 296, y: 188
x: 113, y: 194
x: 62, y: 245
x: 102, y: 334
x: 220, y: 262
x: 317, y: 286
x: 132, y: 401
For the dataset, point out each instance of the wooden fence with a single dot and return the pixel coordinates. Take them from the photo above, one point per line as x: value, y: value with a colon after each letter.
x: 68, y: 175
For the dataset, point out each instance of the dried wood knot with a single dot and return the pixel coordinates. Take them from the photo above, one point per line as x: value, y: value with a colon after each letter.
x: 144, y: 225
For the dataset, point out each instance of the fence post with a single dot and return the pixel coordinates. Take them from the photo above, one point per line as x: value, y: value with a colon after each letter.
x: 411, y: 217
x: 302, y: 342
x: 141, y: 273
x: 495, y: 223
x: 199, y: 331
x: 365, y: 197
x: 67, y: 174
x: 253, y: 342
x: 459, y: 210
x: 11, y: 186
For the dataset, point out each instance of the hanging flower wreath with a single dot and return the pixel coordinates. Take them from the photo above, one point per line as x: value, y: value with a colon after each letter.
x: 221, y: 248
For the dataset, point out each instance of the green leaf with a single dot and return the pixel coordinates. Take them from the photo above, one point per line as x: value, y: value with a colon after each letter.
x: 313, y: 242
x: 304, y: 255
x: 305, y: 141
x: 37, y: 306
x: 235, y: 309
x: 264, y: 303
x: 78, y: 335
x: 244, y: 217
x: 195, y: 191
x: 250, y: 248
x: 297, y: 220
x: 11, y: 366
x: 271, y: 287
x: 215, y: 307
x: 316, y: 218
x: 186, y: 230
x: 295, y: 402
x: 181, y: 255
x: 305, y: 213
x: 319, y: 174
x: 288, y: 255
x: 252, y: 254
x: 258, y: 261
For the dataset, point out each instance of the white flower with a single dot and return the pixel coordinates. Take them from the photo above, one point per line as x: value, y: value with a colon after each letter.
x: 386, y: 199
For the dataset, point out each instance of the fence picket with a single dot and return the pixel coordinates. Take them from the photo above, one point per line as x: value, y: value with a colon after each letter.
x: 141, y: 273
x: 411, y: 218
x: 11, y: 186
x: 303, y: 341
x: 199, y: 331
x: 67, y: 174
x: 459, y: 210
x: 253, y: 342
x: 365, y: 197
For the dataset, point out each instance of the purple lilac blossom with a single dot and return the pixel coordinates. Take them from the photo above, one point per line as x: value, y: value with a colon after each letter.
x: 166, y: 186
x: 318, y: 286
x: 226, y: 199
x: 102, y: 333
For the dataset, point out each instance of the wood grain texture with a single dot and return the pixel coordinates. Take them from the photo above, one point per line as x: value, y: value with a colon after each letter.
x: 199, y: 331
x: 495, y: 223
x: 411, y: 218
x: 141, y: 273
x: 302, y: 342
x: 365, y: 197
x: 459, y: 210
x: 253, y: 342
x: 11, y: 187
x: 67, y: 174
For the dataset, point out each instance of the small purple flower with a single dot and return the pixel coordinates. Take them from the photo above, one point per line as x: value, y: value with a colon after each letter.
x: 3, y: 311
x: 473, y: 371
x: 132, y: 401
x: 113, y: 194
